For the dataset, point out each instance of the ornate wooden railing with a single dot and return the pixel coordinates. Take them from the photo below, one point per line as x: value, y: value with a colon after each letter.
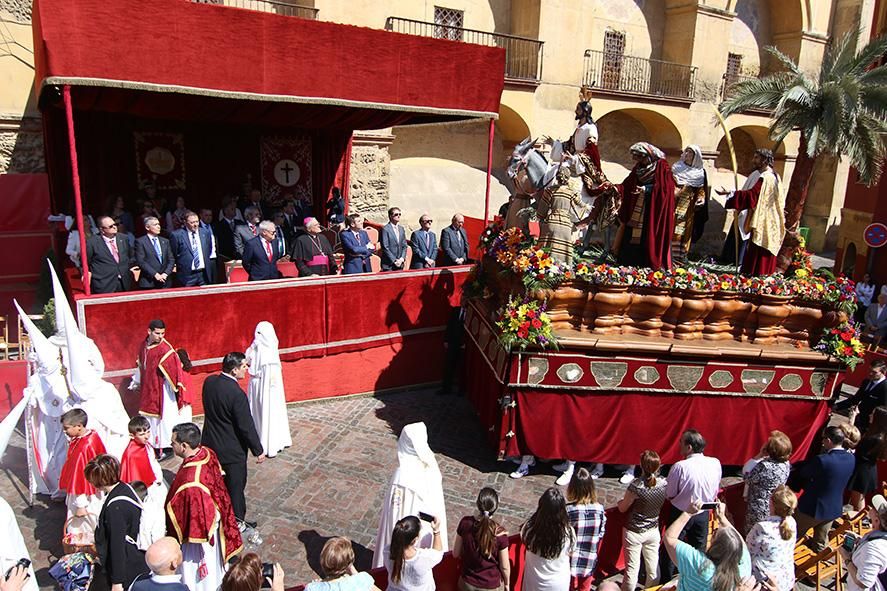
x: 275, y: 6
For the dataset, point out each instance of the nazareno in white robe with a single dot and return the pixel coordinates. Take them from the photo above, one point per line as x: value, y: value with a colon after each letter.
x: 13, y: 547
x: 416, y: 486
x: 267, y: 399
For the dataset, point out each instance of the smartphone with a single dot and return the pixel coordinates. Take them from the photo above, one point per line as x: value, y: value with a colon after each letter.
x: 706, y: 506
x: 426, y: 517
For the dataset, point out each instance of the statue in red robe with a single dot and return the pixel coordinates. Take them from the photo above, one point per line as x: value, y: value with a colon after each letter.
x: 198, y: 505
x: 646, y: 210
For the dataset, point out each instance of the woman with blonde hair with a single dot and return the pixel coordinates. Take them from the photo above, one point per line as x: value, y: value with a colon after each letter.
x: 643, y: 501
x: 763, y: 473
x: 771, y: 542
x: 337, y: 563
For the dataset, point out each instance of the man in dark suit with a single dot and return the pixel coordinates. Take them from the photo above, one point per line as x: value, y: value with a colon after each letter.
x: 260, y: 255
x: 110, y: 259
x: 224, y: 230
x: 228, y: 428
x: 290, y: 220
x: 206, y: 220
x: 246, y: 232
x: 394, y: 243
x: 871, y: 394
x: 191, y: 247
x: 154, y: 257
x: 254, y: 199
x: 424, y: 244
x: 454, y: 242
x: 357, y: 247
x: 824, y: 479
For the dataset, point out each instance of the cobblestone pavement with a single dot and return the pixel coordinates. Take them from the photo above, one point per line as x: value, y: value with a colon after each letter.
x: 332, y: 481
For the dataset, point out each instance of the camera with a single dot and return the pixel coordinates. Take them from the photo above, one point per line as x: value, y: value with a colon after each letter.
x: 267, y: 574
x: 22, y: 562
x: 850, y: 540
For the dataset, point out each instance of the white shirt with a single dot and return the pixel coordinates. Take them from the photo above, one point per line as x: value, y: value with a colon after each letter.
x: 865, y: 293
x: 416, y: 572
x: 870, y: 559
x: 194, y: 241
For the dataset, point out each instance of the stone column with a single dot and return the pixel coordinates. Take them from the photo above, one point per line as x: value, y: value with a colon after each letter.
x: 370, y: 174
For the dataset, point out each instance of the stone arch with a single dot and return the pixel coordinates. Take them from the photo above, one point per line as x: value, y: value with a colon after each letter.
x: 788, y: 15
x: 750, y: 33
x: 621, y: 128
x: 746, y: 139
x: 511, y: 126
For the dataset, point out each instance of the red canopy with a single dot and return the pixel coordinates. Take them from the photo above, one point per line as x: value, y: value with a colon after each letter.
x: 268, y: 60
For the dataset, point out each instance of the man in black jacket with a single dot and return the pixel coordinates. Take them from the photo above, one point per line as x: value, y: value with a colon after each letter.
x: 228, y: 429
x: 871, y: 394
x: 110, y: 259
x: 154, y: 257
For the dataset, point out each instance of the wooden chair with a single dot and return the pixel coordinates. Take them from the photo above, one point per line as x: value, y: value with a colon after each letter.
x: 24, y: 341
x: 4, y: 337
x: 375, y: 261
x: 822, y: 566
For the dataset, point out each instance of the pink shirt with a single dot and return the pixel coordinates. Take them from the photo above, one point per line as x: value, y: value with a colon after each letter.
x: 696, y: 478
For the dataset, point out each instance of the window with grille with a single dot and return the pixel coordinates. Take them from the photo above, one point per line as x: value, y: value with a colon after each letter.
x: 614, y: 52
x: 734, y: 66
x: 449, y: 23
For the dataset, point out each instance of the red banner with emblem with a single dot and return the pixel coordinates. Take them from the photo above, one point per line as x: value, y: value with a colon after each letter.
x: 286, y: 167
x: 160, y: 159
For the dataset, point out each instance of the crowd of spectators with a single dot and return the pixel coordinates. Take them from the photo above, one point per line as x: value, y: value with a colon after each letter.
x: 176, y: 245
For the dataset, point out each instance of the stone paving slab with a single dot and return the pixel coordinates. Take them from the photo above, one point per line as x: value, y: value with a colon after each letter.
x: 332, y: 481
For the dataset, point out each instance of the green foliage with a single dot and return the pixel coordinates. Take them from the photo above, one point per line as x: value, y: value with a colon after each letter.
x: 47, y: 324
x: 842, y: 112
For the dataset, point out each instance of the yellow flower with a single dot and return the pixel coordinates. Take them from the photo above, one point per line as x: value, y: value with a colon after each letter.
x: 544, y: 263
x: 680, y: 271
x: 725, y: 285
x: 801, y: 273
x: 658, y: 275
x: 514, y: 324
x: 820, y: 287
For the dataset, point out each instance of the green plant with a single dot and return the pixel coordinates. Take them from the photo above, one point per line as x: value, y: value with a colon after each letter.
x: 841, y: 112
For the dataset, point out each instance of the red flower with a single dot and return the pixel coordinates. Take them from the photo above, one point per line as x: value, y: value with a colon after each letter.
x: 531, y: 313
x: 522, y: 334
x: 848, y: 350
x: 846, y: 335
x: 525, y: 325
x: 537, y: 323
x: 512, y: 313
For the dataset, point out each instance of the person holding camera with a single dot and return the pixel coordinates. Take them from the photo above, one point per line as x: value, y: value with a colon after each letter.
x: 251, y: 574
x: 866, y: 558
x: 409, y: 565
x: 15, y: 562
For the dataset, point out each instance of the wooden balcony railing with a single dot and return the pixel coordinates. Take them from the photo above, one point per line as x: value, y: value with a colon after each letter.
x: 638, y: 76
x: 275, y: 6
x: 523, y: 56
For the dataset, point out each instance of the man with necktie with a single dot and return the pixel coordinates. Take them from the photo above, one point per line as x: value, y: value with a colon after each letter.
x: 154, y: 257
x: 260, y: 255
x: 109, y: 259
x: 357, y: 247
x: 871, y: 394
x: 394, y: 242
x: 206, y: 220
x: 454, y: 242
x: 191, y: 246
x: 224, y: 229
x: 424, y: 244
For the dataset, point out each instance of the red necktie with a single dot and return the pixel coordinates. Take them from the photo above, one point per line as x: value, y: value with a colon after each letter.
x: 268, y: 250
x: 113, y: 245
x: 253, y: 229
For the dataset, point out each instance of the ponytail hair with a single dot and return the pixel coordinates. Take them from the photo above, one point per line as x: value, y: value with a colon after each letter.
x: 486, y: 529
x: 650, y: 463
x: 784, y: 504
x: 405, y: 533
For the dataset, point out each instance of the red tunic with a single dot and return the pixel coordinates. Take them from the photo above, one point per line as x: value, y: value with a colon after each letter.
x: 135, y: 464
x: 195, y: 496
x: 658, y: 220
x: 159, y: 364
x: 756, y: 260
x: 80, y: 451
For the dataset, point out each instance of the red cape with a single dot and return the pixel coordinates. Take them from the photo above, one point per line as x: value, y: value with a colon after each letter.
x: 80, y: 451
x: 159, y: 364
x: 658, y: 213
x: 195, y: 495
x: 135, y: 464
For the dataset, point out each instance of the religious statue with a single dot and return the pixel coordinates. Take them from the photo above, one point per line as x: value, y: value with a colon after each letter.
x: 554, y: 208
x: 691, y: 200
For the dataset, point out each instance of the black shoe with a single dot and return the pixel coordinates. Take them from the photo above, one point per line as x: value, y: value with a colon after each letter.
x: 251, y: 524
x: 164, y: 455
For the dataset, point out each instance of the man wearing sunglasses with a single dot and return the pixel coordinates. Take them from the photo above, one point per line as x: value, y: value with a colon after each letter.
x: 394, y: 242
x: 110, y: 259
x: 424, y: 244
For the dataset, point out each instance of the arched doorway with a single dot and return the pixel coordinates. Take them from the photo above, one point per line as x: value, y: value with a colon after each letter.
x: 848, y: 265
x: 621, y: 128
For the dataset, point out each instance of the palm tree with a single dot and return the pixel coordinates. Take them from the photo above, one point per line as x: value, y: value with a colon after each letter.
x: 842, y: 113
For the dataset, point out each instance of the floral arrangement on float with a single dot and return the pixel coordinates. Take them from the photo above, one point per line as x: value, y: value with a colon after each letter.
x: 843, y: 344
x: 491, y: 233
x: 694, y: 279
x: 654, y: 279
x: 538, y: 270
x: 607, y: 275
x: 801, y: 260
x: 522, y: 323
